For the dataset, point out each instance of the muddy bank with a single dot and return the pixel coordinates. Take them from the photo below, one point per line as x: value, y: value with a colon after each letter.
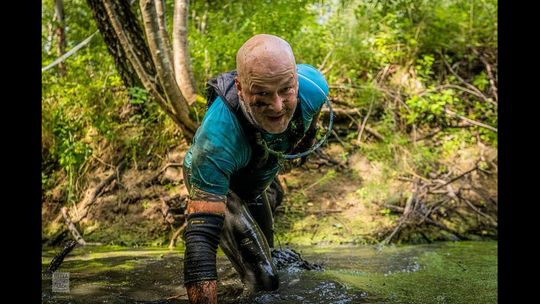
x: 340, y: 196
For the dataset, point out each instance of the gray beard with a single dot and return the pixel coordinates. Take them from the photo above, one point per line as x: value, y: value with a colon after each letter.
x: 251, y: 119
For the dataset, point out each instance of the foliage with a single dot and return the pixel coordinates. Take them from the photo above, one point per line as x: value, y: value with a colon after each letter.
x: 405, y: 62
x: 89, y: 110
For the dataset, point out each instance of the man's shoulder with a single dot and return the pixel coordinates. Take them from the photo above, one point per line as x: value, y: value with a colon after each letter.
x: 219, y: 117
x: 311, y: 76
x: 312, y: 87
x: 219, y: 126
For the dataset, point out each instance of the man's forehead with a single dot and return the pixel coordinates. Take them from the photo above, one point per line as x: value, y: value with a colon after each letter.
x: 269, y: 65
x: 265, y: 82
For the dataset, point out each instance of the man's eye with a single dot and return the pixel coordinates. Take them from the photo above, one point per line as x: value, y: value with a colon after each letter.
x: 262, y: 93
x: 286, y: 89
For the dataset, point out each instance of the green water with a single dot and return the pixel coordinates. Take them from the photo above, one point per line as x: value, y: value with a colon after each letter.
x: 453, y: 272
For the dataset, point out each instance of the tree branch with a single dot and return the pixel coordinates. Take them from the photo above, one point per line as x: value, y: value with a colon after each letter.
x: 361, y: 130
x: 475, y: 93
x: 473, y: 122
x: 490, y: 75
x: 176, y: 234
x: 479, y: 93
x: 74, y: 232
x: 69, y: 53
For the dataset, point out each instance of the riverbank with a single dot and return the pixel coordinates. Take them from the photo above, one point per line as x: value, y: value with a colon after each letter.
x: 343, y: 196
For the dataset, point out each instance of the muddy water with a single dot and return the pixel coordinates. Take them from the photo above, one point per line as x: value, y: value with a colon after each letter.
x: 460, y: 272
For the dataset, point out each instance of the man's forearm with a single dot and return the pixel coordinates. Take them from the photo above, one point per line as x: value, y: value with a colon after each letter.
x: 204, y: 224
x: 202, y: 292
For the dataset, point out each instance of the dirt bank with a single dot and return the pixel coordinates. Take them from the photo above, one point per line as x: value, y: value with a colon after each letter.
x: 339, y: 196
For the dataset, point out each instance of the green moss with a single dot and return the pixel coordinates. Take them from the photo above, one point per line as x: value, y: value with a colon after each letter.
x: 463, y: 272
x: 97, y: 259
x: 124, y: 233
x: 330, y: 229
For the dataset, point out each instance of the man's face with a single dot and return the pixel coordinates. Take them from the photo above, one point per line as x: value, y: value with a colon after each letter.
x: 270, y: 97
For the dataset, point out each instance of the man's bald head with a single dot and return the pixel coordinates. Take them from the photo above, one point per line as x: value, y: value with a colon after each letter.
x: 267, y: 82
x: 264, y: 54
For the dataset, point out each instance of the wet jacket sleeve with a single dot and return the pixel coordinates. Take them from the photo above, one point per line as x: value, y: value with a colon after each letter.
x: 202, y: 239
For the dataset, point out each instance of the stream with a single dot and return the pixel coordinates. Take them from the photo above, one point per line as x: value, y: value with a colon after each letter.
x: 443, y: 272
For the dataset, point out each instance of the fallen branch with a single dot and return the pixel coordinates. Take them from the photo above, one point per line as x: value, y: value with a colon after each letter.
x: 151, y: 180
x: 338, y: 111
x: 478, y: 211
x: 439, y: 192
x: 394, y: 208
x: 361, y: 128
x: 92, y: 194
x: 454, y: 179
x: 485, y: 195
x: 339, y: 139
x: 475, y: 89
x: 71, y: 226
x: 490, y: 75
x: 350, y: 112
x: 59, y: 258
x: 443, y: 227
x: 179, y: 296
x: 433, y: 208
x: 323, y: 212
x: 176, y: 234
x: 409, y: 207
x: 322, y: 155
x: 389, y: 238
x: 453, y: 86
x: 82, y: 208
x: 430, y: 134
x: 474, y: 122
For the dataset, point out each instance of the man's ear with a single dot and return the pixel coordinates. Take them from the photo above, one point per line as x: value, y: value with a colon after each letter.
x: 238, y: 87
x: 238, y: 84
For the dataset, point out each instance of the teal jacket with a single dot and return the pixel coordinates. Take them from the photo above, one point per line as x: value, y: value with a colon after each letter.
x: 220, y: 148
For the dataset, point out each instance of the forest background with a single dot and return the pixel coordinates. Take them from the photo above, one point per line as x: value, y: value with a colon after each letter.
x: 412, y: 157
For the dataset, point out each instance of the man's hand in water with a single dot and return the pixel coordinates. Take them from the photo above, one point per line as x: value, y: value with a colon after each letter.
x: 202, y: 292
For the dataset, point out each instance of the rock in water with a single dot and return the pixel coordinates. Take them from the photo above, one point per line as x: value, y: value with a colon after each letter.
x: 290, y: 259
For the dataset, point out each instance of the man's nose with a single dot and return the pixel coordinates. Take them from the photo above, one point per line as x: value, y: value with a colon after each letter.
x: 277, y: 102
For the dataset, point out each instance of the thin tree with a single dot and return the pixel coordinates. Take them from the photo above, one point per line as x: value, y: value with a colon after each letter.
x: 143, y: 54
x: 60, y: 33
x: 182, y: 66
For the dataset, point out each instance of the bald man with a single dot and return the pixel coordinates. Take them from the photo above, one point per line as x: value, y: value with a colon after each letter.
x: 269, y: 103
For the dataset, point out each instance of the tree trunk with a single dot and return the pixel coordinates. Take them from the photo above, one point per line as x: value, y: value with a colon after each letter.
x: 123, y: 66
x: 60, y: 33
x: 150, y: 63
x: 158, y: 41
x: 182, y: 67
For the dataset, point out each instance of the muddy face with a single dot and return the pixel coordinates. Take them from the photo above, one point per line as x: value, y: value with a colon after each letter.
x: 267, y: 82
x: 269, y: 96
